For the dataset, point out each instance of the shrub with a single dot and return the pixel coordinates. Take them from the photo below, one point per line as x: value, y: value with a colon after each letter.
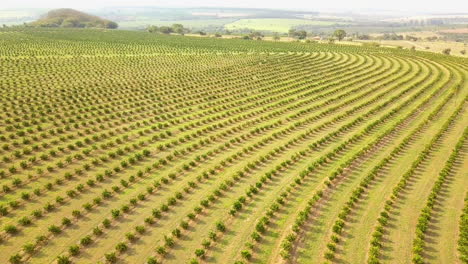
x: 156, y: 213
x: 329, y: 255
x: 152, y: 260
x: 121, y: 247
x: 76, y: 213
x: 66, y: 221
x: 111, y: 257
x: 168, y: 241
x: 246, y: 254
x: 140, y: 229
x: 86, y: 241
x: 176, y: 232
x: 11, y: 229
x: 115, y: 213
x: 130, y: 237
x: 63, y: 260
x: 161, y: 251
x: 37, y: 213
x: 24, y: 221
x: 106, y: 223
x: 200, y: 253
x: 97, y: 231
x: 206, y: 243
x: 184, y: 224
x: 3, y: 210
x: 74, y: 250
x: 220, y: 227
x: 29, y: 248
x: 149, y: 221
x: 15, y: 259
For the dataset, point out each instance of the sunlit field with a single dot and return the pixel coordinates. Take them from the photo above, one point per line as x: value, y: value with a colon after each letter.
x: 131, y: 147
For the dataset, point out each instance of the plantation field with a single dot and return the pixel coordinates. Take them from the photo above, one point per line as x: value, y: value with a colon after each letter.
x: 280, y: 25
x: 130, y: 147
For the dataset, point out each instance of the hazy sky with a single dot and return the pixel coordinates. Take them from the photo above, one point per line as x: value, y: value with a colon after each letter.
x: 437, y: 6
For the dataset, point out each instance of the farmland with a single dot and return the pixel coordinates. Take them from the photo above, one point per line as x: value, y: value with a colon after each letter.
x: 131, y: 147
x: 280, y: 25
x: 192, y: 24
x: 456, y: 48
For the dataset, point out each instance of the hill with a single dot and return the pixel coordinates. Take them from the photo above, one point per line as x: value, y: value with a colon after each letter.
x: 71, y: 18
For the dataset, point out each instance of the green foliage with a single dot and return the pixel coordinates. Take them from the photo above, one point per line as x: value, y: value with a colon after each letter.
x: 70, y: 18
x: 301, y: 34
x: 175, y: 28
x: 154, y: 130
x: 339, y: 34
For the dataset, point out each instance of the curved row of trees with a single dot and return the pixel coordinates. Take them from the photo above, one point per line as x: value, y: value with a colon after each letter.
x: 427, y: 212
x: 463, y: 237
x: 335, y: 176
x: 161, y: 125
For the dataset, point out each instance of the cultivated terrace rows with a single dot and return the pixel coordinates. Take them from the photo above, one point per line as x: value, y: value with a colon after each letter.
x: 129, y: 147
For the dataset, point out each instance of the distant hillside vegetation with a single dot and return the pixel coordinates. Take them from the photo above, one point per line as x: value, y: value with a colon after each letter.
x: 71, y: 18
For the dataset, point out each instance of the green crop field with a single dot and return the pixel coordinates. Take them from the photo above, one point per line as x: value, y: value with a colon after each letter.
x: 130, y: 147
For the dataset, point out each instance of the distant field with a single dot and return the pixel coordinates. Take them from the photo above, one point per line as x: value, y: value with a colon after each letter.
x: 275, y: 24
x: 192, y: 24
x: 456, y: 31
x: 432, y: 46
x: 417, y: 34
x: 126, y: 147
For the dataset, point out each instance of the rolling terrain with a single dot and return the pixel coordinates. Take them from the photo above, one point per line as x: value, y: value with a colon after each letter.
x: 131, y: 147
